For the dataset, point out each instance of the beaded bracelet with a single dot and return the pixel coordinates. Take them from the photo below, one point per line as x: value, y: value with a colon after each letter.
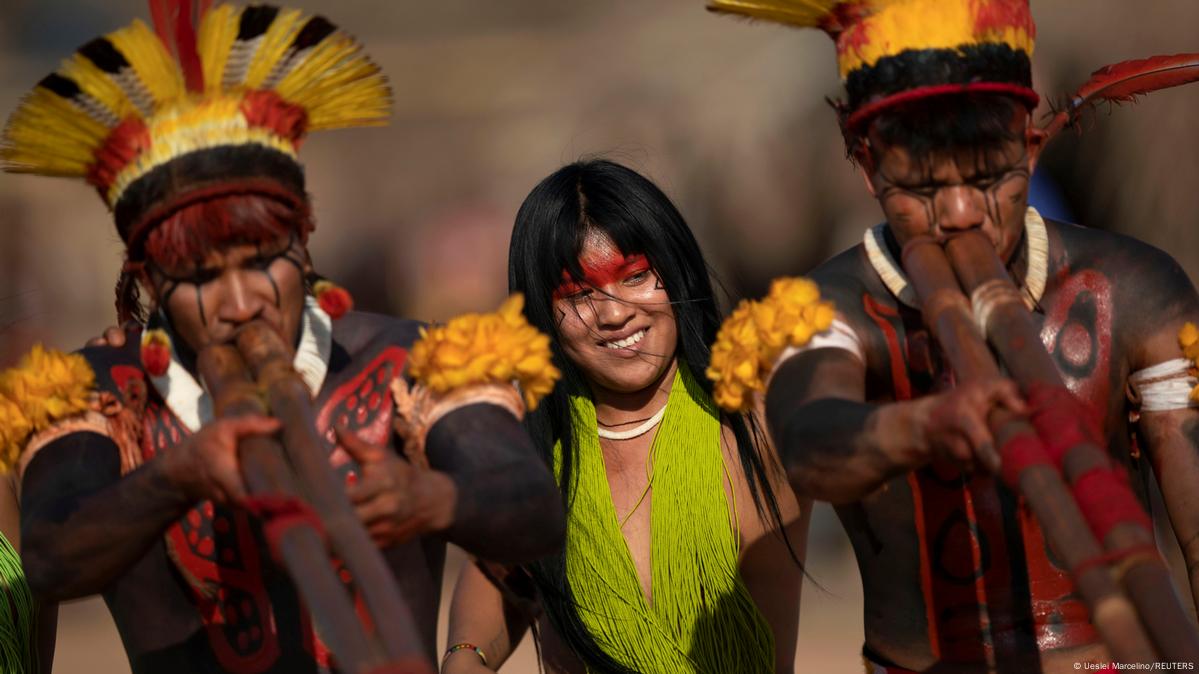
x: 464, y: 646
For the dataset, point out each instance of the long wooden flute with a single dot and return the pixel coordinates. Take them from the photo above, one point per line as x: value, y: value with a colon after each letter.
x: 1001, y: 315
x: 297, y: 469
x: 949, y: 317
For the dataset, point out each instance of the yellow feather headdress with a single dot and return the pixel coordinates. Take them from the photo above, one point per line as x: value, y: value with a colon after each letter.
x: 139, y: 111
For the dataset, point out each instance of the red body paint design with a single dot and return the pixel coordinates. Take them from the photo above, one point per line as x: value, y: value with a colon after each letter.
x: 901, y: 387
x: 599, y: 272
x: 1078, y: 334
x: 215, y: 549
x: 123, y: 374
x: 966, y: 531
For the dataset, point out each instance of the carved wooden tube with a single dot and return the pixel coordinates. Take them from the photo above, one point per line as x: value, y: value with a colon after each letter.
x: 948, y: 315
x: 289, y: 400
x: 1001, y: 314
x: 301, y: 548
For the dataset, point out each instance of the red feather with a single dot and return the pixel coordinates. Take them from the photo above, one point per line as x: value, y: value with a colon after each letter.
x: 185, y: 42
x: 160, y: 14
x: 175, y: 25
x: 1123, y: 82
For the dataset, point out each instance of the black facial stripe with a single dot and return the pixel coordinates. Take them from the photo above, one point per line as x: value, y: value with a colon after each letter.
x: 200, y: 305
x: 298, y: 264
x: 992, y: 199
x: 926, y: 203
x: 169, y: 289
x: 274, y: 286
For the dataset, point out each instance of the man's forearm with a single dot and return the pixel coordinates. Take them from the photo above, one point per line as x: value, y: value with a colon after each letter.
x: 75, y: 545
x: 839, y: 450
x: 507, y: 507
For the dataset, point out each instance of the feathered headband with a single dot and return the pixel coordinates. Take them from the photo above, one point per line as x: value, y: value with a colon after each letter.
x: 211, y: 101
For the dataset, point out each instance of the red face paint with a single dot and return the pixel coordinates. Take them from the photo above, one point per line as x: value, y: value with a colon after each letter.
x: 602, y: 271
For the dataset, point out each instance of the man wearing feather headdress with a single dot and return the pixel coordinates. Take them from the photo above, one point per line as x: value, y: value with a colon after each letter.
x: 129, y: 486
x: 955, y: 569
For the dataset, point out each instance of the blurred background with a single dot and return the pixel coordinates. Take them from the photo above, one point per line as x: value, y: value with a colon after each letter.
x: 728, y: 117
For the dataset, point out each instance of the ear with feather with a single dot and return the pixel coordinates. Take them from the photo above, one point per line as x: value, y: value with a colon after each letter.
x: 1123, y: 82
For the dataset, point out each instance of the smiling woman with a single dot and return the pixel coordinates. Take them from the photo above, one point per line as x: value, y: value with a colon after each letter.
x: 666, y: 568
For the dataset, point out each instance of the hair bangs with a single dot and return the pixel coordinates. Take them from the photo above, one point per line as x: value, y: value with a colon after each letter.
x: 979, y: 124
x: 189, y: 233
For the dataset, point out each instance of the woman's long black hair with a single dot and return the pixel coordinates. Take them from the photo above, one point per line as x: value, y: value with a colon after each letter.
x: 551, y: 227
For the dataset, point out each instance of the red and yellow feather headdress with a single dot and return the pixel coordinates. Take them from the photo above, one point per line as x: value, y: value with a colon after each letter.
x: 210, y: 101
x: 892, y: 51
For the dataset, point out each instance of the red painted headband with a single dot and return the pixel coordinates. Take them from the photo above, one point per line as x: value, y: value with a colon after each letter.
x: 598, y: 273
x: 859, y: 117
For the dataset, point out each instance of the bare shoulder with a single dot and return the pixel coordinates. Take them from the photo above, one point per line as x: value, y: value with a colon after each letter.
x: 1148, y: 290
x: 860, y: 298
x: 1136, y: 265
x: 845, y: 278
x: 360, y: 331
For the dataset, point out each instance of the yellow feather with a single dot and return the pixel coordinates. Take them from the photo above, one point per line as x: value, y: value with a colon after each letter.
x: 48, y: 113
x: 899, y: 25
x: 154, y: 66
x: 326, y: 90
x: 97, y: 84
x: 338, y: 85
x: 334, y: 82
x: 47, y: 132
x: 317, y: 64
x: 274, y: 45
x: 368, y: 103
x: 218, y: 30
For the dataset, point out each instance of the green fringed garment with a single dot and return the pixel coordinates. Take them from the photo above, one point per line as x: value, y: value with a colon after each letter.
x: 702, y: 618
x: 17, y: 650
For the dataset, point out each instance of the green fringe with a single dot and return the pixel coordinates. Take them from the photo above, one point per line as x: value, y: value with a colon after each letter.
x: 703, y: 619
x: 18, y: 652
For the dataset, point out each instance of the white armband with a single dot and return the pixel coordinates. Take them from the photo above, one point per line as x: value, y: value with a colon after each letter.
x: 838, y: 336
x: 1165, y: 386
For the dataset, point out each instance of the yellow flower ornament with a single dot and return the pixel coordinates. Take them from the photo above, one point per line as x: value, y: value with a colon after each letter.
x: 474, y: 358
x: 45, y: 387
x: 495, y: 348
x: 1188, y: 340
x: 757, y: 332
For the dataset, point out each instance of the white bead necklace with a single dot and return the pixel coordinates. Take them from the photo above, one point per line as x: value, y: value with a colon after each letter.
x: 641, y: 429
